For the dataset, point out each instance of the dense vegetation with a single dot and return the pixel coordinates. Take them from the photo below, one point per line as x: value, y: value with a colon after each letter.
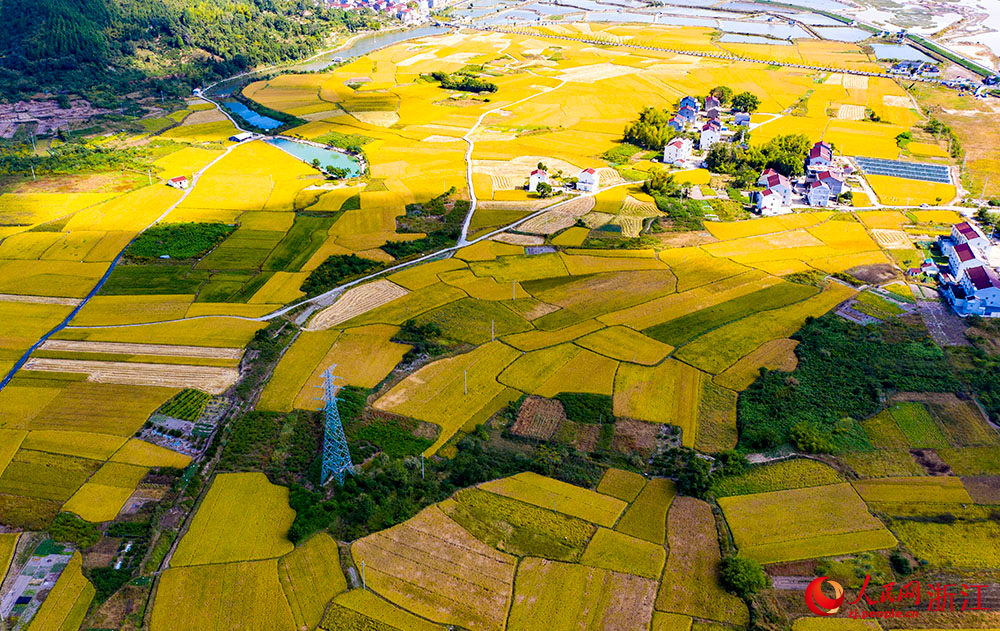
x: 71, y: 158
x: 351, y: 142
x: 784, y: 154
x: 584, y: 407
x: 843, y: 371
x: 335, y: 270
x: 650, y: 130
x: 178, y: 241
x: 90, y: 46
x: 433, y: 241
x: 463, y: 82
x: 68, y: 528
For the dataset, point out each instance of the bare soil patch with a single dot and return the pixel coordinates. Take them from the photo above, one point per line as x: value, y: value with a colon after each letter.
x: 930, y: 461
x: 581, y: 436
x: 984, y: 489
x: 538, y: 418
x: 632, y: 436
x: 874, y: 274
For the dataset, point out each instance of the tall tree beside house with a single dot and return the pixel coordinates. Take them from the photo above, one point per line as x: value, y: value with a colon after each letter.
x: 650, y: 130
x: 746, y: 102
x: 722, y: 92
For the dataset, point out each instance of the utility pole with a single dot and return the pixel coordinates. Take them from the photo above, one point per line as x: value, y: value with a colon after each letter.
x: 985, y: 184
x: 33, y: 172
x: 493, y: 332
x: 149, y: 174
x: 465, y: 374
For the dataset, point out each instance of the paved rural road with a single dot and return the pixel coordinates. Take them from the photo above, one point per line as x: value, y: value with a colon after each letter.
x: 463, y: 239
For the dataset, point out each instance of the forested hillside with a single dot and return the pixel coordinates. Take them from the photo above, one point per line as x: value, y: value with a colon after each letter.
x: 102, y: 49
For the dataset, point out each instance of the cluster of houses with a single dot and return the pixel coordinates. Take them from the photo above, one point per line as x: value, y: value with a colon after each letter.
x: 821, y: 186
x: 706, y: 123
x: 915, y: 69
x: 409, y: 12
x: 588, y: 181
x: 970, y: 283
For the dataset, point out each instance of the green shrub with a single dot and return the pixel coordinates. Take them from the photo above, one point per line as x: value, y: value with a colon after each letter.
x: 585, y: 407
x: 336, y: 270
x: 743, y: 577
x: 179, y: 241
x: 68, y: 528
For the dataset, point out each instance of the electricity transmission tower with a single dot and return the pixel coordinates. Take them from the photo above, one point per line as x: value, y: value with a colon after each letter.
x: 336, y: 457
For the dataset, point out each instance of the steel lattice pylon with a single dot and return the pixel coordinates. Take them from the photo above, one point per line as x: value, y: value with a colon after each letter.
x: 336, y: 457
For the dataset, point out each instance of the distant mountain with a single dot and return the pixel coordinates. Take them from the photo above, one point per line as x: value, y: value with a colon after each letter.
x: 103, y: 49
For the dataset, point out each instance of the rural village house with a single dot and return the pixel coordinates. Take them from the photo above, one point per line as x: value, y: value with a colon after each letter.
x: 676, y: 150
x: 537, y: 177
x: 588, y: 181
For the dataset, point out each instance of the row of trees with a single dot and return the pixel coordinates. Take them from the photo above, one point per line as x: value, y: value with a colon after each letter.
x: 463, y: 82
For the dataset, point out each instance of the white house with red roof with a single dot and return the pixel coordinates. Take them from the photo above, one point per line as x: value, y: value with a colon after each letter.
x: 821, y: 155
x: 963, y: 257
x: 774, y: 181
x: 537, y: 177
x: 588, y: 181
x: 977, y: 292
x: 818, y: 194
x: 180, y: 182
x: 677, y: 150
x: 833, y: 180
x: 712, y: 103
x: 970, y: 233
x: 711, y: 133
x: 770, y: 203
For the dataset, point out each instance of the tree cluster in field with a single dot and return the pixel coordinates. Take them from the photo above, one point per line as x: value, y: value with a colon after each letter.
x: 350, y: 142
x: 650, y: 130
x: 89, y: 48
x: 390, y: 491
x: 784, y: 154
x: 179, y: 241
x: 694, y: 472
x: 337, y: 269
x: 843, y: 373
x: 586, y: 407
x: 68, y: 528
x: 936, y: 127
x: 463, y: 82
x: 424, y: 339
x: 433, y: 241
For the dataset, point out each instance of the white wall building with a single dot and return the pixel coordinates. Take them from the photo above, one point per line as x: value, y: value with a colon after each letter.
x: 588, y: 181
x: 770, y: 203
x: 711, y: 133
x: 676, y: 150
x: 819, y: 194
x: 537, y: 177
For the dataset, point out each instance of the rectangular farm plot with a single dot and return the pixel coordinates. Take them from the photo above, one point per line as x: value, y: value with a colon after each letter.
x: 646, y: 518
x: 363, y: 357
x: 559, y: 496
x: 45, y: 476
x: 357, y: 301
x: 563, y: 368
x: 917, y: 425
x: 311, y: 576
x: 921, y: 490
x: 553, y: 596
x: 243, y: 596
x: 408, y: 306
x: 98, y: 502
x: 361, y: 609
x: 140, y: 453
x: 242, y: 518
x: 773, y: 355
x: 431, y: 566
x: 586, y: 297
x: 449, y: 392
x: 625, y: 344
x: 625, y: 485
x: 212, y: 379
x: 803, y: 524
x: 521, y: 268
x: 622, y: 553
x: 716, y: 350
x: 691, y: 580
x: 474, y: 321
x: 668, y: 393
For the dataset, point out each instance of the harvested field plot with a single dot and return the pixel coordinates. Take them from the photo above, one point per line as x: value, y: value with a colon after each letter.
x: 668, y: 393
x: 154, y: 350
x: 803, y: 523
x: 311, y: 577
x: 211, y: 379
x: 646, y: 518
x: 625, y: 485
x: 243, y: 596
x: 243, y: 517
x: 691, y: 581
x: 432, y: 567
x: 892, y: 239
x: 562, y: 597
x: 559, y: 496
x: 401, y: 309
x: 538, y: 418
